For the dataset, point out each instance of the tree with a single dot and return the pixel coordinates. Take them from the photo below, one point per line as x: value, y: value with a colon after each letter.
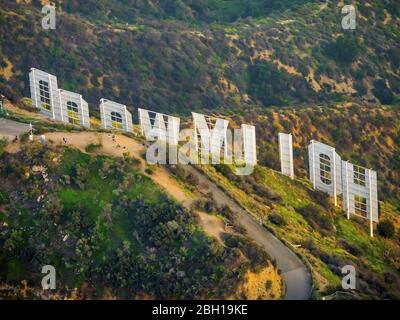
x: 382, y: 92
x: 343, y: 50
x: 277, y: 219
x: 386, y: 229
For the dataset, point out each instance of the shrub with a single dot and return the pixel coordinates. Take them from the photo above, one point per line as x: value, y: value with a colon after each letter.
x: 343, y: 50
x: 209, y: 206
x: 3, y: 144
x: 321, y: 198
x: 149, y: 170
x: 206, y: 205
x: 265, y: 192
x: 192, y: 180
x: 3, y: 198
x: 273, y: 86
x: 386, y: 229
x: 178, y: 171
x: 26, y: 104
x: 136, y: 162
x: 351, y: 248
x: 317, y: 219
x: 382, y: 92
x: 250, y: 249
x: 226, y: 212
x: 93, y: 147
x: 227, y: 172
x: 82, y: 175
x: 277, y: 219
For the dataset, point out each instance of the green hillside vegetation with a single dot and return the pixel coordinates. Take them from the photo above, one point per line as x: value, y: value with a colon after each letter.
x: 176, y: 56
x: 328, y: 241
x: 295, y: 213
x: 283, y: 66
x: 200, y: 11
x: 363, y: 135
x: 108, y: 230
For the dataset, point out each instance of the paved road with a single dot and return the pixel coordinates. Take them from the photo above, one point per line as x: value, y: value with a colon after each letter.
x: 296, y: 276
x: 10, y: 129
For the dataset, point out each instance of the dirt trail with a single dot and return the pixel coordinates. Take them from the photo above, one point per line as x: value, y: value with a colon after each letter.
x: 214, y: 226
x: 10, y: 129
x: 296, y: 276
x: 117, y: 145
x: 26, y: 113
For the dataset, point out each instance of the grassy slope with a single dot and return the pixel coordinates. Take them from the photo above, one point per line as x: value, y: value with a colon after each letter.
x: 95, y: 242
x: 376, y: 257
x: 367, y: 136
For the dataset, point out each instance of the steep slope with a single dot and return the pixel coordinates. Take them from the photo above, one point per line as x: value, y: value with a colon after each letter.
x: 110, y: 231
x: 368, y: 136
x: 297, y: 215
x: 237, y: 58
x: 203, y: 11
x: 296, y: 277
x: 292, y: 55
x: 321, y: 234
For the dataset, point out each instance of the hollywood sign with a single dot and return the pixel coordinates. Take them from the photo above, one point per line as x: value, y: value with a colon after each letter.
x: 70, y: 107
x: 209, y: 137
x: 329, y: 173
x: 211, y: 140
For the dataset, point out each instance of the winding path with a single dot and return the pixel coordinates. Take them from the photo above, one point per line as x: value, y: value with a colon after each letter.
x: 10, y: 129
x: 296, y: 276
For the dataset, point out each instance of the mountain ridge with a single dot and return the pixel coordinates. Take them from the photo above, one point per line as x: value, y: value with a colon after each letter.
x: 289, y: 58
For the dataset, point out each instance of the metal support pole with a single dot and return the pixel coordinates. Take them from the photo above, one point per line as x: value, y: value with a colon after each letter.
x: 334, y: 176
x: 291, y: 156
x: 347, y: 191
x: 313, y: 163
x: 371, y: 222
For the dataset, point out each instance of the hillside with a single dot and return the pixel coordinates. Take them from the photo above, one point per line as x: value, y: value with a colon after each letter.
x: 169, y: 55
x: 110, y: 231
x: 368, y: 136
x: 305, y: 220
x: 201, y: 11
x: 309, y: 223
x: 116, y: 227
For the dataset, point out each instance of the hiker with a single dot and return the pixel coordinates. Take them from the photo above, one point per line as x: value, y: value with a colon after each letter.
x: 65, y: 140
